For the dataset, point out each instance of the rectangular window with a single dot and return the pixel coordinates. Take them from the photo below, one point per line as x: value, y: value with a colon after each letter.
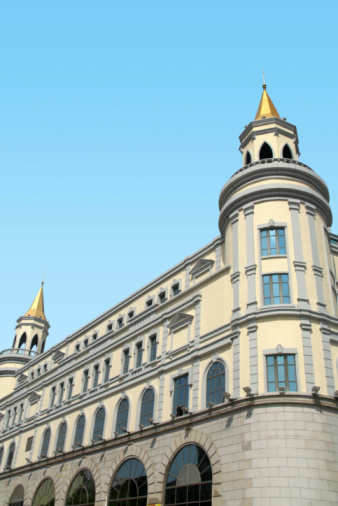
x: 109, y: 326
x: 162, y: 297
x: 45, y: 367
x: 94, y: 337
x: 20, y: 413
x: 273, y: 241
x: 70, y: 388
x: 175, y: 289
x: 61, y: 391
x: 130, y: 314
x: 29, y: 443
x: 96, y: 376
x: 281, y: 372
x: 139, y: 352
x: 149, y: 302
x: 276, y: 289
x: 77, y: 347
x: 39, y: 371
x: 106, y: 370
x: 52, y: 397
x: 181, y: 394
x: 15, y: 410
x: 153, y: 348
x: 120, y: 323
x: 125, y: 361
x: 85, y: 380
x: 85, y: 342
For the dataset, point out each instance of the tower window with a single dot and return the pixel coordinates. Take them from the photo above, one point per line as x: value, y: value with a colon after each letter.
x: 281, y: 372
x: 265, y: 152
x: 247, y: 158
x: 273, y: 241
x: 276, y: 289
x: 287, y: 152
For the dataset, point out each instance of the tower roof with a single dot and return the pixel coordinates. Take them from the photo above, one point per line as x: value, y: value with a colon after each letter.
x: 266, y: 109
x: 37, y: 307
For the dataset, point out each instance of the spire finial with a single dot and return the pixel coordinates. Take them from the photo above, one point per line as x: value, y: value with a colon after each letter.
x: 43, y: 279
x: 264, y: 85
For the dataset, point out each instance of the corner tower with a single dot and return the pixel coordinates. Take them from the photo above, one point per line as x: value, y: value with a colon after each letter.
x: 276, y: 218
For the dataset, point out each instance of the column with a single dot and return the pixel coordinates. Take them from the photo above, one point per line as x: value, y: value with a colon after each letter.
x: 250, y: 269
x: 300, y: 265
x: 236, y: 310
x: 317, y: 270
x: 253, y: 355
x: 325, y: 331
x: 306, y: 327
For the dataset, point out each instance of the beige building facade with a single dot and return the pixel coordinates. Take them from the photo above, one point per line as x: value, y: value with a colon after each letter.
x: 215, y: 384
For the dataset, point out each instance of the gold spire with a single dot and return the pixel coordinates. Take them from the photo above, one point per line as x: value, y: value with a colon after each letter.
x: 266, y: 109
x: 37, y: 308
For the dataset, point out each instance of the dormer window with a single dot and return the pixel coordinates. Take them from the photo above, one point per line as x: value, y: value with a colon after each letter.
x: 287, y: 152
x: 265, y: 152
x: 175, y: 289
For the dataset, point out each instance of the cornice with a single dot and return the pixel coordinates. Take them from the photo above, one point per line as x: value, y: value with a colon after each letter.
x: 267, y: 121
x: 185, y: 422
x: 274, y: 191
x: 273, y: 168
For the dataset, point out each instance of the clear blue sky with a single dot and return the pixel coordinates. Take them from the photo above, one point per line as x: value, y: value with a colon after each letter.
x: 119, y: 125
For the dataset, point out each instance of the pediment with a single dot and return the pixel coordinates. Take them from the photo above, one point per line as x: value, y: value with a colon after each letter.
x: 201, y: 266
x: 180, y: 320
x: 22, y: 377
x: 33, y: 397
x: 58, y: 356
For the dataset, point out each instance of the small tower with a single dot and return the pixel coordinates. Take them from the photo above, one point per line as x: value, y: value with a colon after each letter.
x: 32, y: 328
x: 268, y: 136
x: 30, y: 339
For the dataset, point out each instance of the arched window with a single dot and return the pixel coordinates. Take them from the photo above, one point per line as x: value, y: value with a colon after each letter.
x: 78, y: 439
x: 45, y: 443
x: 45, y: 494
x: 34, y: 343
x: 147, y: 407
x: 287, y: 152
x: 14, y: 341
x: 247, y: 158
x: 82, y: 489
x: 60, y: 443
x: 265, y: 152
x: 43, y: 346
x: 98, y: 425
x: 216, y: 383
x: 23, y: 339
x: 17, y: 497
x: 122, y: 416
x: 189, y: 480
x: 130, y: 482
x: 10, y: 456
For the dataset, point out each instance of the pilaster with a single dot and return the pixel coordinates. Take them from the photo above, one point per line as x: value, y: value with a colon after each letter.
x: 250, y: 269
x: 299, y: 264
x: 317, y: 270
x: 236, y: 310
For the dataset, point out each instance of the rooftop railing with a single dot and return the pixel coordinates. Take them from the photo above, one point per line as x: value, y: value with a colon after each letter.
x: 19, y: 351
